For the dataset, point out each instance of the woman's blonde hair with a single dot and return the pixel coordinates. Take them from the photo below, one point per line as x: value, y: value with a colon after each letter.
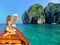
x: 8, y: 19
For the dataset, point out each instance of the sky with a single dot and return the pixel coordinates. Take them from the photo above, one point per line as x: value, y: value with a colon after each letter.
x: 10, y: 7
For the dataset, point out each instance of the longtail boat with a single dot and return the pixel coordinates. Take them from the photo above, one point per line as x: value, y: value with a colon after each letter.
x: 13, y: 39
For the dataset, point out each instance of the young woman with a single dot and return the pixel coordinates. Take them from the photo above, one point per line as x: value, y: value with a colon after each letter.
x: 9, y: 29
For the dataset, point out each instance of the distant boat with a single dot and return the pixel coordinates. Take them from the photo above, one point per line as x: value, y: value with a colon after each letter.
x: 53, y: 23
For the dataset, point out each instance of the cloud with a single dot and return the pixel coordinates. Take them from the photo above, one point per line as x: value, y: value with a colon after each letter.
x: 55, y: 1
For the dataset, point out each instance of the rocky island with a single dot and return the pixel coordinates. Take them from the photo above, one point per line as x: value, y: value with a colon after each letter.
x: 36, y: 14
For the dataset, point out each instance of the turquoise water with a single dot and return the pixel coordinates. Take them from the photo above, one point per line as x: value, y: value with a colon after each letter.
x: 39, y: 34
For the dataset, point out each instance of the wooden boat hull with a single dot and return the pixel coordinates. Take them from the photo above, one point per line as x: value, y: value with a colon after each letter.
x: 17, y: 38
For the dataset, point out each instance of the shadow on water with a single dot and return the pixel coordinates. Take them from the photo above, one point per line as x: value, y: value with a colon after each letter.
x: 46, y: 34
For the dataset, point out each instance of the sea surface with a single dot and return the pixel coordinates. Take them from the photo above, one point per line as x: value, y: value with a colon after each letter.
x: 46, y: 34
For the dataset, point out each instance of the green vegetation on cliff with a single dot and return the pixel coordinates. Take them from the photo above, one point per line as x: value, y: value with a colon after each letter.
x: 52, y: 13
x: 36, y: 14
x: 33, y: 14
